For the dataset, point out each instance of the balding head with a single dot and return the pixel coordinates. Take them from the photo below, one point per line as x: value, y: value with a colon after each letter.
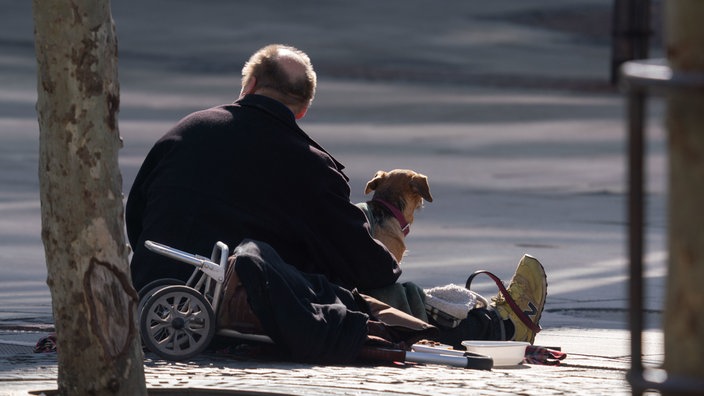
x: 283, y: 73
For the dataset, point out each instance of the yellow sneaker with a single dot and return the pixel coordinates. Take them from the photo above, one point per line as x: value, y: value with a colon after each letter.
x: 523, y: 302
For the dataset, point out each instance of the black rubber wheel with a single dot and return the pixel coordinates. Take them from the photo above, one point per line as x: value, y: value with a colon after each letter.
x: 152, y: 287
x: 177, y: 322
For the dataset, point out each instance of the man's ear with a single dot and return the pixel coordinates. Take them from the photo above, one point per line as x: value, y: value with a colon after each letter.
x: 249, y: 87
x: 302, y: 113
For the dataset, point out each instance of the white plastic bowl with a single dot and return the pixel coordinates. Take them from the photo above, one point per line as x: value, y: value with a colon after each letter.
x: 504, y: 353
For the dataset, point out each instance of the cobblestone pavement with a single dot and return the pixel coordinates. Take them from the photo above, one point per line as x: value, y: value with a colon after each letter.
x: 22, y: 371
x: 31, y: 372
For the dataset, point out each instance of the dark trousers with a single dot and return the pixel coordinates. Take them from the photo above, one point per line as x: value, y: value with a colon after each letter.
x: 480, y: 324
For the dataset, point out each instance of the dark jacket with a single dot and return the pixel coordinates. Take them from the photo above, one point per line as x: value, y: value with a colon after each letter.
x: 247, y: 170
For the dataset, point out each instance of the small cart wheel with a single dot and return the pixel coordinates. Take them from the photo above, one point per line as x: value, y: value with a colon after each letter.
x: 152, y: 287
x: 177, y: 322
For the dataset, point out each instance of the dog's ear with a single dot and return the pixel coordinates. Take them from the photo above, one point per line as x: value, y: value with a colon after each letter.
x: 374, y: 183
x: 420, y: 184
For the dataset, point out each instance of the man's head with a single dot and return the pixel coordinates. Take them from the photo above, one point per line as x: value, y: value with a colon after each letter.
x: 283, y: 73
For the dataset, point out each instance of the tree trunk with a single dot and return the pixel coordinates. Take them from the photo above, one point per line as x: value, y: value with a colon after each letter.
x: 93, y: 301
x: 684, y: 322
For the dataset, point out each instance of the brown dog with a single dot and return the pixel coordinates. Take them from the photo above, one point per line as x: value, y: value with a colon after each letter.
x: 397, y: 195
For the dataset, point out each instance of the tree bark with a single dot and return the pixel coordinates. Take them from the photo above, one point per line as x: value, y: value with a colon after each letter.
x: 93, y: 302
x: 684, y: 322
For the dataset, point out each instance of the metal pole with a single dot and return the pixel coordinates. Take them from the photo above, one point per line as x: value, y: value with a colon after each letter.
x: 630, y: 33
x: 636, y: 172
x: 639, y: 78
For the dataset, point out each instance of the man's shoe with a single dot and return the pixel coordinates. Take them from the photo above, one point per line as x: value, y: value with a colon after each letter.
x: 525, y: 301
x: 518, y: 308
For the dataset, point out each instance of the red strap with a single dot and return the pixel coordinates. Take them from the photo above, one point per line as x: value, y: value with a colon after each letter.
x: 511, y: 302
x: 405, y: 226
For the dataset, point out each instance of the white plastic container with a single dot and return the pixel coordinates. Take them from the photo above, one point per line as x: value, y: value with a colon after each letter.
x: 504, y: 353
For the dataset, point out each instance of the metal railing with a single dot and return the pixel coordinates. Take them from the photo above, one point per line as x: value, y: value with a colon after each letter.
x: 638, y: 80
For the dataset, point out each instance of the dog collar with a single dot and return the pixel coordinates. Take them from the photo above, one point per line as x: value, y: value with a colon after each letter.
x: 405, y: 226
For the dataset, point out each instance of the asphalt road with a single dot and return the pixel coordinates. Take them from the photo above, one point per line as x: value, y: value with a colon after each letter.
x: 505, y: 106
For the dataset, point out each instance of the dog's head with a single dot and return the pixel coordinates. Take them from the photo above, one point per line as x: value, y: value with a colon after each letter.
x: 402, y: 187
